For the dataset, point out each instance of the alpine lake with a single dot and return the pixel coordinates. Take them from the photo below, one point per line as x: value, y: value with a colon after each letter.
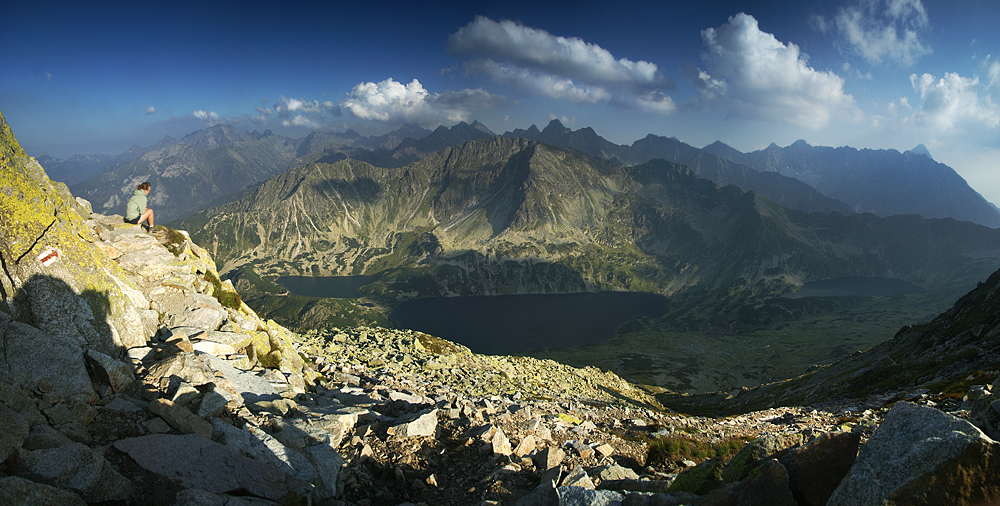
x: 517, y: 324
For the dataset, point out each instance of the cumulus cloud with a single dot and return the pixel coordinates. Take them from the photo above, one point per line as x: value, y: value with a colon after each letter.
x: 536, y: 62
x: 266, y: 111
x: 881, y: 30
x: 541, y: 51
x: 286, y: 106
x: 209, y: 117
x: 953, y: 100
x: 389, y: 100
x: 301, y: 121
x: 539, y: 83
x: 150, y: 110
x: 753, y: 75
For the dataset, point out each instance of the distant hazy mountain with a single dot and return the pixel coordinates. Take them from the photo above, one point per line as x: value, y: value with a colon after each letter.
x: 73, y: 169
x: 509, y: 215
x: 188, y: 175
x: 413, y: 148
x: 786, y: 191
x: 883, y: 182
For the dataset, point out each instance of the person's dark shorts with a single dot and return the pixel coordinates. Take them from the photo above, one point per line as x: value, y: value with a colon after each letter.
x: 133, y: 220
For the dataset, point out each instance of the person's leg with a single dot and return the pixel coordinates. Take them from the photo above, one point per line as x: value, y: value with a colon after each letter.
x: 147, y: 217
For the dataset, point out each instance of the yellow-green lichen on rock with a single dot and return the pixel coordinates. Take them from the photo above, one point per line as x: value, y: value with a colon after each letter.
x: 54, y: 278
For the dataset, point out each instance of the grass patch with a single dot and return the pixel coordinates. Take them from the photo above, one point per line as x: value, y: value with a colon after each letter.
x: 675, y: 448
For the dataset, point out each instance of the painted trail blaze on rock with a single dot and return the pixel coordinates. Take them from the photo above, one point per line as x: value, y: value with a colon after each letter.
x: 49, y: 256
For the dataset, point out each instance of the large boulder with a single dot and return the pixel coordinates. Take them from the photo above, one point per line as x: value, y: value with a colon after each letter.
x: 919, y: 455
x: 75, y: 467
x: 194, y: 461
x: 32, y: 356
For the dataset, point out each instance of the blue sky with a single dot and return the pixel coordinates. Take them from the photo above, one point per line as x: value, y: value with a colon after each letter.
x: 77, y: 78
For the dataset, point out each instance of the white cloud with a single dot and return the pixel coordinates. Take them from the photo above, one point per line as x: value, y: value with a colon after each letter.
x: 539, y: 83
x: 209, y: 117
x: 954, y: 100
x: 286, y: 106
x: 301, y: 121
x: 389, y: 100
x: 755, y: 76
x: 266, y: 111
x: 150, y: 110
x: 885, y: 29
x: 536, y: 62
x: 541, y: 51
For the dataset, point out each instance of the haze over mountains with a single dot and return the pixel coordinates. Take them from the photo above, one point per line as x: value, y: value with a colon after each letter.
x: 219, y: 161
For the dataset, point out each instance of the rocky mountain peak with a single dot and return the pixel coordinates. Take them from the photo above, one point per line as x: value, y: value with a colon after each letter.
x: 920, y: 149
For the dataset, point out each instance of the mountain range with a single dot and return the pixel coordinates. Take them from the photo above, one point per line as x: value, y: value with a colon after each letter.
x: 220, y: 161
x: 509, y: 215
x: 882, y: 182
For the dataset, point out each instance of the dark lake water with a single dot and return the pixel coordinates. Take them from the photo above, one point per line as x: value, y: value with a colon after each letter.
x: 511, y: 324
x: 854, y: 286
x: 340, y: 287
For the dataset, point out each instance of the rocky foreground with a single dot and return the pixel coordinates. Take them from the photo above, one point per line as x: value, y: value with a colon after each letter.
x: 130, y: 374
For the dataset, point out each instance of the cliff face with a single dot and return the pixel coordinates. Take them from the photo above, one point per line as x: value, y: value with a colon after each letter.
x: 59, y: 290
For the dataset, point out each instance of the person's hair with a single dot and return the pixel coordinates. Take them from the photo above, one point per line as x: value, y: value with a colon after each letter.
x: 144, y: 185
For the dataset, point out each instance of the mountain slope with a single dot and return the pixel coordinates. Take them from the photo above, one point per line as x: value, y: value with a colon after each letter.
x: 960, y: 341
x: 508, y: 215
x: 188, y: 175
x: 786, y: 191
x: 883, y: 182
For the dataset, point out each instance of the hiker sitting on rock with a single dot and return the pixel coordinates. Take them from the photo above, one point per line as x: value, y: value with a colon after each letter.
x: 136, y: 211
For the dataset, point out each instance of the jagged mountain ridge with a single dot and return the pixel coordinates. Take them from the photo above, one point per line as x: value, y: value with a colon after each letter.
x: 883, y: 182
x: 786, y: 191
x: 221, y: 161
x: 508, y: 215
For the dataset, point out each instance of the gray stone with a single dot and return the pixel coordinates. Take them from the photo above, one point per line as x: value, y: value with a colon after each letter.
x: 32, y: 355
x: 111, y: 371
x: 545, y: 494
x: 15, y: 430
x: 180, y: 418
x: 328, y: 463
x: 179, y: 367
x: 196, y: 497
x: 18, y: 400
x: 194, y: 461
x: 614, y: 472
x: 75, y: 467
x: 423, y: 424
x: 526, y: 446
x: 156, y: 425
x: 581, y: 449
x: 577, y: 496
x: 250, y: 386
x: 205, y: 318
x: 549, y: 458
x: 212, y: 404
x: 41, y: 437
x: 298, y: 433
x: 577, y: 478
x: 185, y: 394
x: 920, y: 454
x: 499, y: 443
x: 23, y: 492
x: 260, y: 446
